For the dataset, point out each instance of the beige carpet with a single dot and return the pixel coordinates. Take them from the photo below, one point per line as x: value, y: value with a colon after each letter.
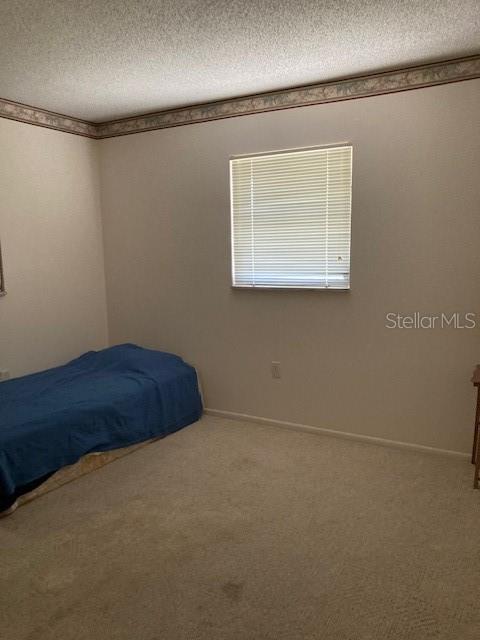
x: 228, y: 530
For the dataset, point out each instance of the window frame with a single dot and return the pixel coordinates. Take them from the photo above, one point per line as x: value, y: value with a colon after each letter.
x: 284, y: 287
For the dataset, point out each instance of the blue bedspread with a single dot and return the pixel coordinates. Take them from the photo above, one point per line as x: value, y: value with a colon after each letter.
x: 102, y: 400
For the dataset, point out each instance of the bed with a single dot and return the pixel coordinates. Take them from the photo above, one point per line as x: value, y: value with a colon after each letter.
x: 100, y: 401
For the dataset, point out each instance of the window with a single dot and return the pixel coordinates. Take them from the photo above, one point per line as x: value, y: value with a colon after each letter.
x: 291, y: 219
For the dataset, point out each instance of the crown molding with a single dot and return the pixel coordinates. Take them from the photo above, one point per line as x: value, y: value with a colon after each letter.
x: 385, y: 82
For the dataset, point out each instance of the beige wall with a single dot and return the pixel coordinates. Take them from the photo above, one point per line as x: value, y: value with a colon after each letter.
x: 51, y: 234
x: 415, y: 246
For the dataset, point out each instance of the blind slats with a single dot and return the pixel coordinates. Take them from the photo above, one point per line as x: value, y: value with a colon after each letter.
x: 291, y: 219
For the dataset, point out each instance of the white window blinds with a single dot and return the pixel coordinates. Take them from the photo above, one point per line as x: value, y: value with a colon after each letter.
x: 291, y: 219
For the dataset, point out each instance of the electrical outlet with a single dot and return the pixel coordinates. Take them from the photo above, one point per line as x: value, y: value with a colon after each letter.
x: 276, y: 373
x: 4, y: 374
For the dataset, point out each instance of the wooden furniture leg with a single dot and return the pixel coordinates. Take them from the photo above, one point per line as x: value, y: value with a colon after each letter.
x: 476, y: 428
x: 477, y: 473
x: 476, y: 435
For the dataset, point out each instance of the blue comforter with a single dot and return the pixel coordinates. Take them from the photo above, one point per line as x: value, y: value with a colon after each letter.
x: 102, y: 400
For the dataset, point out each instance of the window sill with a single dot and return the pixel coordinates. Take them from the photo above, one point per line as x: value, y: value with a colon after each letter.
x: 286, y: 288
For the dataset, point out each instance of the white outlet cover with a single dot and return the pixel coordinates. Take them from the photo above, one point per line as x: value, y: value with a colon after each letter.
x: 276, y: 373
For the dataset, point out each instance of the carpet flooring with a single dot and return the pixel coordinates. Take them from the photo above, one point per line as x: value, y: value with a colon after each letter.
x: 236, y: 531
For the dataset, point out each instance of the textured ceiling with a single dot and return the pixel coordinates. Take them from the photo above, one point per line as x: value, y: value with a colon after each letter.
x: 105, y: 59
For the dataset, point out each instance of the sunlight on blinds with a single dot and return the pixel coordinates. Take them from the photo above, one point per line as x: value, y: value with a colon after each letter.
x: 291, y: 219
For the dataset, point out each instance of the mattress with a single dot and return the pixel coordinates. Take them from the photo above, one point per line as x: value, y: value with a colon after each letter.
x: 102, y: 400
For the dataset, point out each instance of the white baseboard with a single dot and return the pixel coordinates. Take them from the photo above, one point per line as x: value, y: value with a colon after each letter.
x: 231, y: 415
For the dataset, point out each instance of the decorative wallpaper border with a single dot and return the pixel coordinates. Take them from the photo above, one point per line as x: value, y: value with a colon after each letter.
x: 385, y: 82
x: 43, y: 118
x: 359, y: 87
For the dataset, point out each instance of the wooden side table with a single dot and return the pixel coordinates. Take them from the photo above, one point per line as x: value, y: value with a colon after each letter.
x: 475, y: 456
